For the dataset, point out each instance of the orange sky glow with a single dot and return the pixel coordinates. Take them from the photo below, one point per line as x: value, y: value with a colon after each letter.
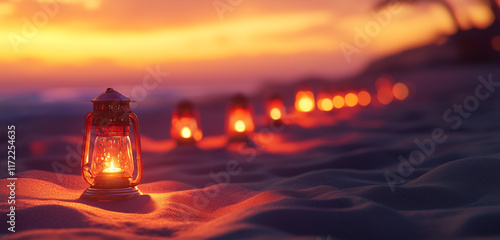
x: 83, y: 43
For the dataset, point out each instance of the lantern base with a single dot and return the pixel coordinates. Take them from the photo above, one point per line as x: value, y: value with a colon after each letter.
x: 277, y: 124
x: 239, y: 137
x: 110, y: 194
x: 186, y: 142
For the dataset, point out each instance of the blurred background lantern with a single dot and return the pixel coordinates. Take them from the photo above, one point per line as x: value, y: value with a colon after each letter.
x: 400, y: 91
x: 351, y: 99
x: 338, y: 100
x: 275, y: 111
x: 304, y: 100
x: 110, y: 170
x: 239, y: 118
x: 186, y: 128
x: 325, y: 101
x: 364, y: 98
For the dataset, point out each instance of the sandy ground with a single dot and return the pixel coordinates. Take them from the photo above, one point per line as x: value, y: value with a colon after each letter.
x: 322, y: 177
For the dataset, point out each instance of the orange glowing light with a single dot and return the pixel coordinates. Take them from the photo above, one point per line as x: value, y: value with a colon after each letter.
x: 112, y: 169
x: 185, y: 128
x: 239, y: 119
x: 325, y: 104
x: 239, y: 126
x: 400, y: 91
x: 364, y: 98
x: 240, y: 122
x: 276, y: 111
x: 304, y: 101
x: 338, y: 101
x: 275, y: 114
x: 198, y: 135
x: 351, y: 100
x: 186, y: 132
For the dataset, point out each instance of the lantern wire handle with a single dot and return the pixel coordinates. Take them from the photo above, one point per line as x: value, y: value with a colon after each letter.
x: 85, y: 149
x: 137, y: 137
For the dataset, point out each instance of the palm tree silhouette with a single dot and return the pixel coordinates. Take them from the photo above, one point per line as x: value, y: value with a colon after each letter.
x: 493, y: 4
x: 473, y: 45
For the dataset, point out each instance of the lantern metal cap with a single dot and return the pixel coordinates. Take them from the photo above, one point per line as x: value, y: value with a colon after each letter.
x: 111, y: 95
x: 275, y: 97
x: 185, y: 105
x: 239, y: 100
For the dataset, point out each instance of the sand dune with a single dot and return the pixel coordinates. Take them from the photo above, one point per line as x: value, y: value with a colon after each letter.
x: 323, y: 177
x: 459, y: 198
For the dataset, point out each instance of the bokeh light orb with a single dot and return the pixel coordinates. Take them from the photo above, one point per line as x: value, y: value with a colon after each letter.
x: 364, y: 98
x: 338, y: 101
x: 351, y: 100
x: 304, y: 101
x: 400, y: 91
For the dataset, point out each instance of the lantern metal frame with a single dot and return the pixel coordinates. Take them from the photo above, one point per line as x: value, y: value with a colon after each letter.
x: 111, y: 116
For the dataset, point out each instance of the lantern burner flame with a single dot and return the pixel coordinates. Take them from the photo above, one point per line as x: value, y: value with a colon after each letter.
x: 239, y: 126
x: 304, y: 101
x: 306, y: 104
x: 112, y: 169
x: 325, y: 104
x: 186, y: 132
x: 275, y: 114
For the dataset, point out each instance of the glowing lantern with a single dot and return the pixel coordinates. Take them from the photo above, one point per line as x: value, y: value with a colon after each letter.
x: 338, y: 101
x: 364, y: 98
x: 275, y: 114
x: 186, y: 128
x: 110, y: 170
x: 325, y: 102
x: 239, y: 119
x: 275, y: 110
x: 304, y: 101
x: 400, y: 91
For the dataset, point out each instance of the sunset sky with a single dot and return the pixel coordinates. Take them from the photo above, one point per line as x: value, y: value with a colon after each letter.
x: 49, y: 45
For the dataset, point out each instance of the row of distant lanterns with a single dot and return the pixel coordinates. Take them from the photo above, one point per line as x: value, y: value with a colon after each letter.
x: 109, y: 169
x: 239, y: 121
x: 386, y: 92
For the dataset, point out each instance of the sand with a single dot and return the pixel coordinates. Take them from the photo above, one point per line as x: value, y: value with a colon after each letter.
x: 322, y: 177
